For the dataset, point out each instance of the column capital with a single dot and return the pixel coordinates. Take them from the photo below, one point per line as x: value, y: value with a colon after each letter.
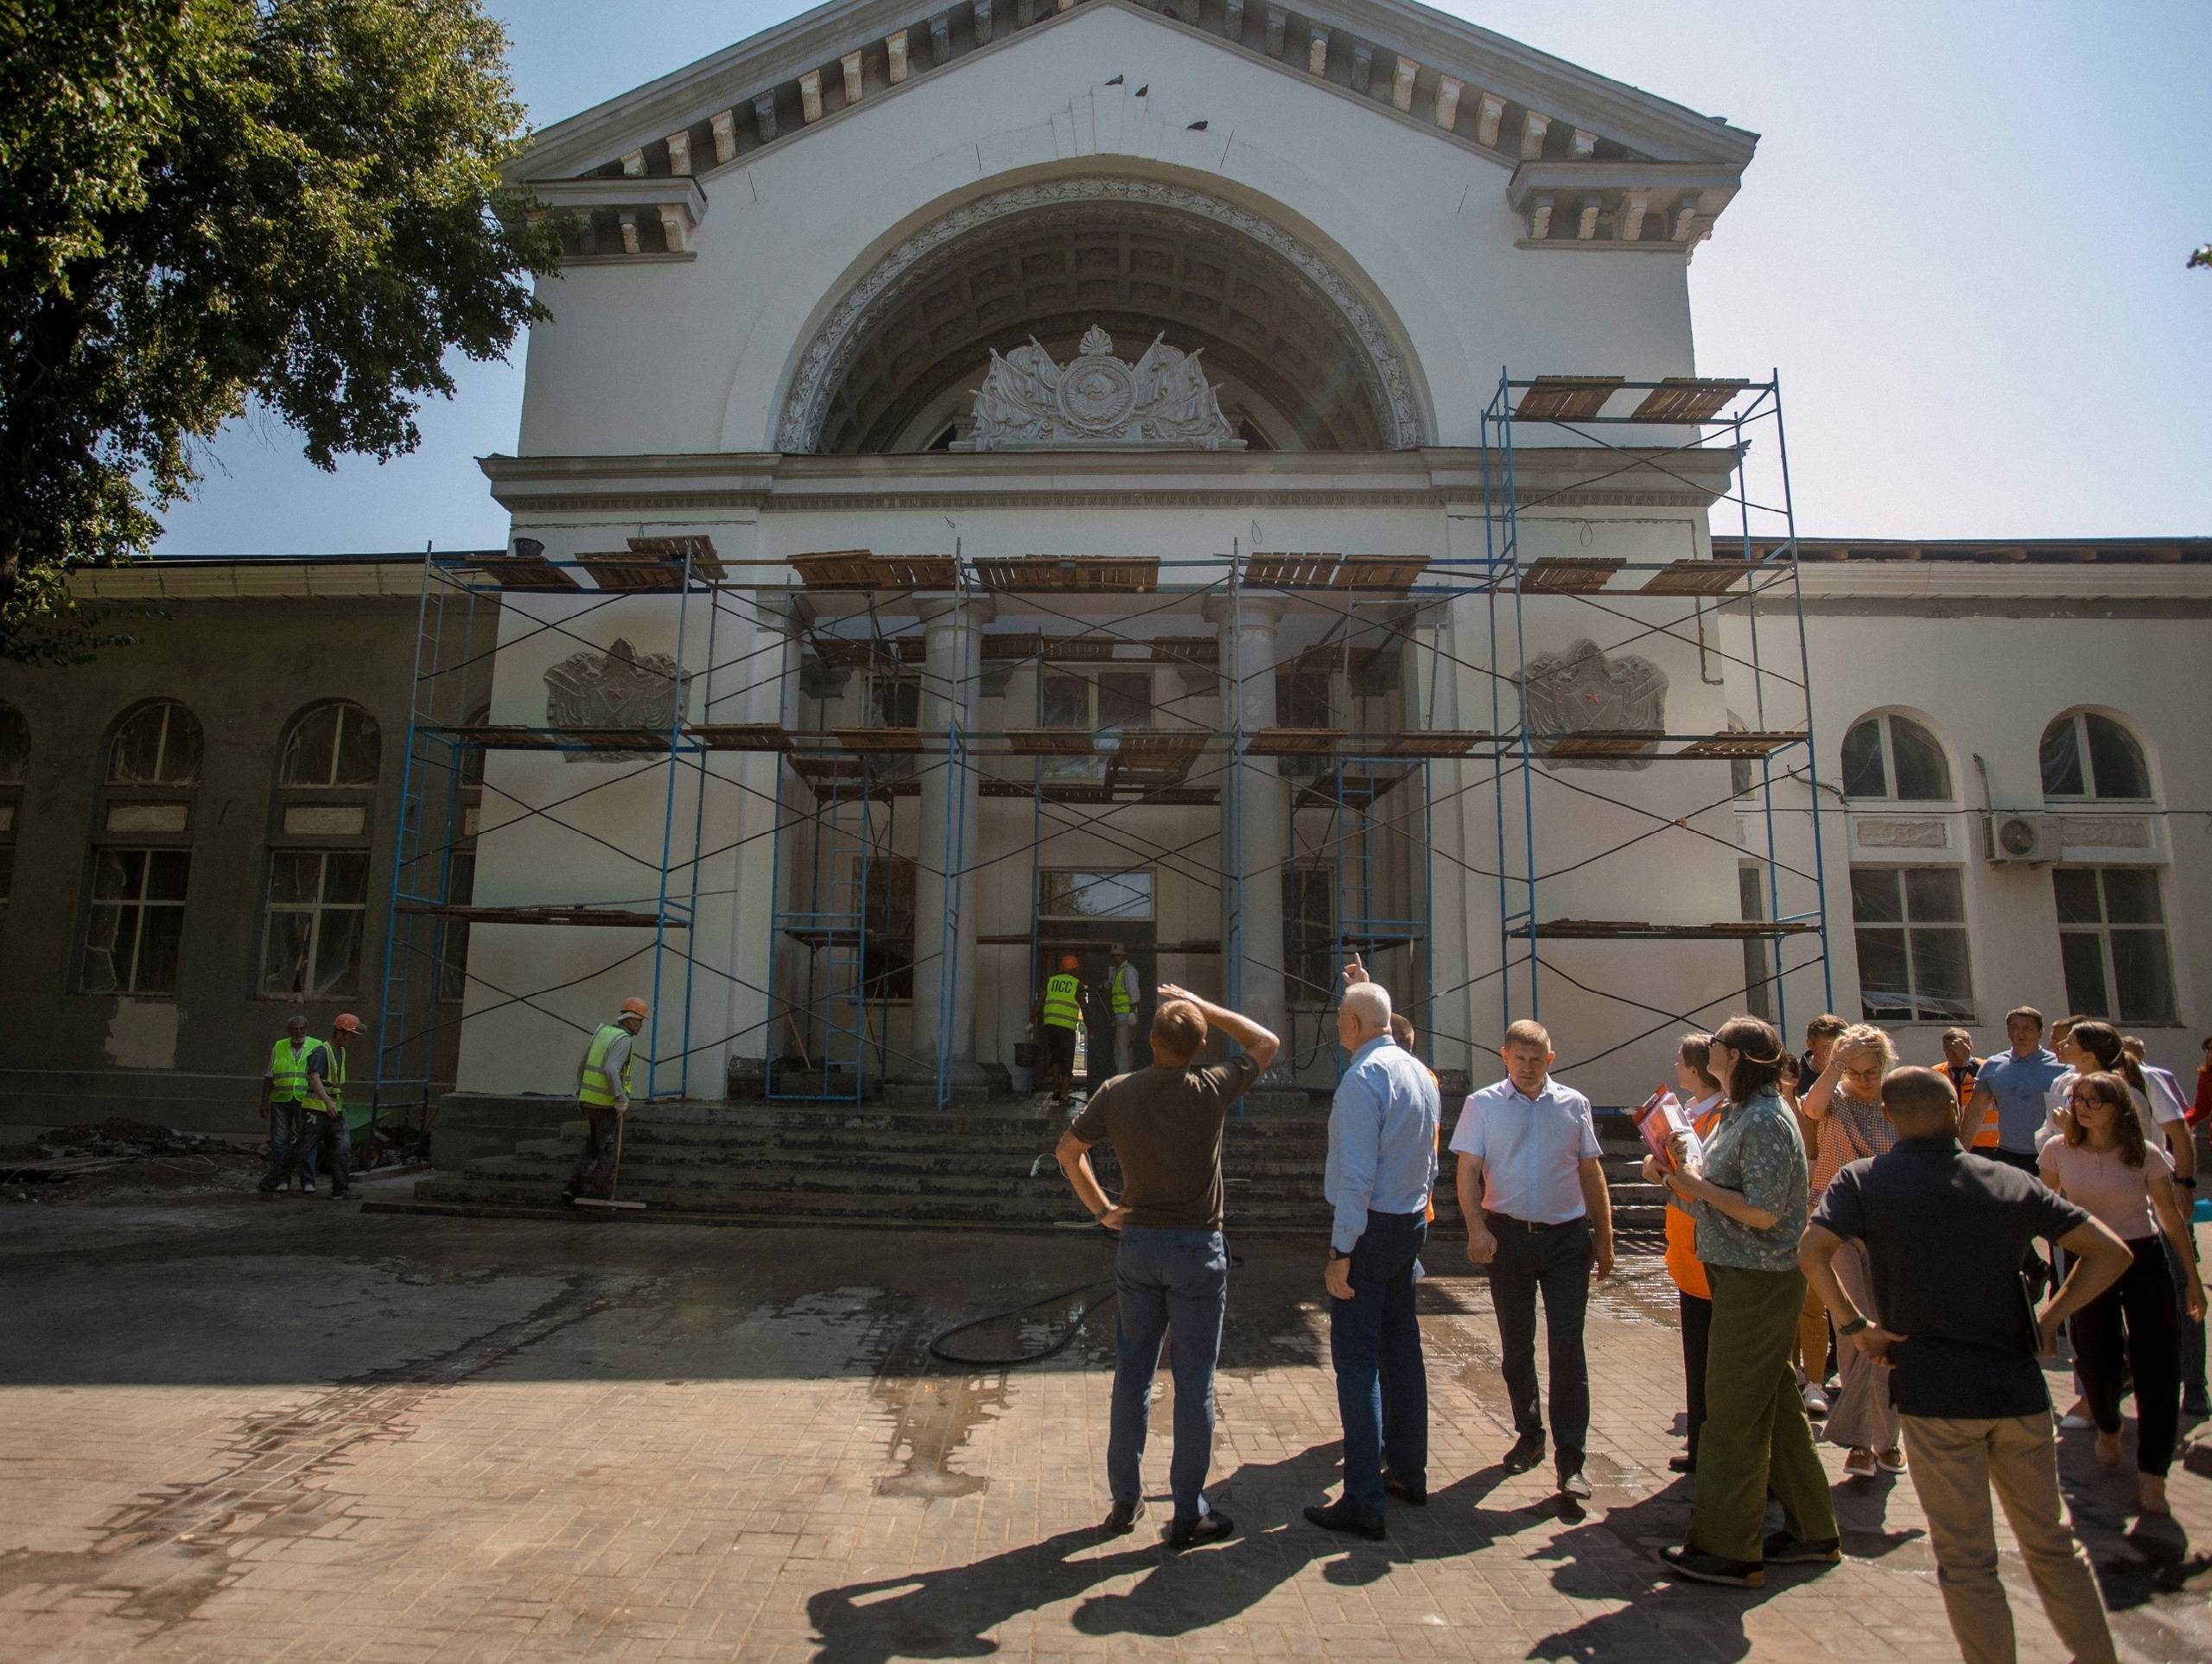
x: 976, y: 609
x: 1263, y: 612
x: 781, y: 610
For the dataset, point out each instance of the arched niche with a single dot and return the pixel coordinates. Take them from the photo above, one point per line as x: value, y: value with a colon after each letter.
x: 1302, y: 356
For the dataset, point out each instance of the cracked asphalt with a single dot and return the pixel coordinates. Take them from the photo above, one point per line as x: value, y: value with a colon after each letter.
x: 295, y: 1430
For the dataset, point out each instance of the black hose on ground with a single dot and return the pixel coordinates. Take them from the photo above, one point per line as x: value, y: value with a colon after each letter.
x: 1083, y: 1315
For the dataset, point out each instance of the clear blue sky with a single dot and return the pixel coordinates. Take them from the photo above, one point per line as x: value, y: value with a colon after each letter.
x: 1961, y: 244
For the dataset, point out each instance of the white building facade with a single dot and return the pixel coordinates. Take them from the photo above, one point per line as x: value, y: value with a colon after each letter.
x: 1083, y: 426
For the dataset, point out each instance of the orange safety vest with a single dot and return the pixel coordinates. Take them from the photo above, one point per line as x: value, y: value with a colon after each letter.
x: 1683, y: 1263
x: 1962, y: 1078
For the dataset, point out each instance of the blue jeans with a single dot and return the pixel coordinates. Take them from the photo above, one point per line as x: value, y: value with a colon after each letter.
x: 1166, y: 1279
x: 286, y: 1129
x: 1374, y: 1343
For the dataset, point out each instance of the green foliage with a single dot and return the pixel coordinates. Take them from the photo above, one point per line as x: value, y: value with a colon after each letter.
x: 2202, y: 256
x: 207, y: 205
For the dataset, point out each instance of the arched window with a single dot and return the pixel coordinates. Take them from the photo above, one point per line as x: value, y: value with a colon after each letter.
x: 157, y: 744
x: 141, y: 852
x: 2086, y: 755
x: 332, y: 744
x: 315, y: 922
x: 1893, y: 757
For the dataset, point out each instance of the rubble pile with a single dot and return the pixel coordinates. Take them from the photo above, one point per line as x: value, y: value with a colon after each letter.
x: 120, y: 1136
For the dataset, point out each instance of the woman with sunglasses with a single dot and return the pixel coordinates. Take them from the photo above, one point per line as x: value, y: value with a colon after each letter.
x: 1845, y: 1108
x: 2102, y: 1161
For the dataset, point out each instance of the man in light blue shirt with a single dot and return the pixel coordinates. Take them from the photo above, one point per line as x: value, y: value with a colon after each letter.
x: 2015, y: 1083
x: 1381, y: 1166
x: 1532, y: 1187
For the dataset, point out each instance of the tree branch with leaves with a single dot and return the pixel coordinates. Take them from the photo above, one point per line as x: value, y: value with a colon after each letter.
x: 209, y: 206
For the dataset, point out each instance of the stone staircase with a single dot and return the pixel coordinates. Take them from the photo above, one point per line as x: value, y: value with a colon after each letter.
x: 864, y: 1167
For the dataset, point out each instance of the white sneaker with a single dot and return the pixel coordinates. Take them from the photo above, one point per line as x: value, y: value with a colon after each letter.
x: 1816, y: 1406
x: 2073, y: 1423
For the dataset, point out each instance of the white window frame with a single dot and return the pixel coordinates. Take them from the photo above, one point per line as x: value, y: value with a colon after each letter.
x: 126, y: 984
x: 2103, y: 930
x: 317, y: 908
x: 1152, y: 888
x: 2079, y: 720
x: 1905, y: 925
x: 1887, y: 740
x: 169, y: 709
x: 348, y: 712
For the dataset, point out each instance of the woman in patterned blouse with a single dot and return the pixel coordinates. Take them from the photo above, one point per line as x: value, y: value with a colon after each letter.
x: 1750, y: 1205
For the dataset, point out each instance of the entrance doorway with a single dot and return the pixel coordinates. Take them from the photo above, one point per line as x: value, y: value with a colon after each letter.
x: 1084, y: 912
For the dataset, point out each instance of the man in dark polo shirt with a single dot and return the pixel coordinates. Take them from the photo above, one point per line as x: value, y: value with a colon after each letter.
x: 1945, y: 1231
x: 1171, y: 1267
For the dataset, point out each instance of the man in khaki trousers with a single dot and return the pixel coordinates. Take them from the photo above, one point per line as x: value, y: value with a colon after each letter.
x: 1945, y: 1231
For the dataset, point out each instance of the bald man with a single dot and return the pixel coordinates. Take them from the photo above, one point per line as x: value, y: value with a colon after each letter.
x: 1382, y: 1167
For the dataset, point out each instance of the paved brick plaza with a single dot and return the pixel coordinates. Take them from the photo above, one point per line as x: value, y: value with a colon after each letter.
x: 299, y: 1432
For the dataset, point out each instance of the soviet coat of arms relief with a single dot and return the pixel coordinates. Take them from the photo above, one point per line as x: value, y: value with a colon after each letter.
x: 1029, y: 401
x: 1605, y: 703
x: 622, y: 689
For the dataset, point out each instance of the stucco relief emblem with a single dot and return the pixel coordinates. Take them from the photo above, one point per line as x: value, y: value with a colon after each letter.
x: 2106, y: 832
x: 1581, y: 691
x: 823, y: 365
x: 618, y: 689
x: 1905, y: 832
x: 1029, y: 402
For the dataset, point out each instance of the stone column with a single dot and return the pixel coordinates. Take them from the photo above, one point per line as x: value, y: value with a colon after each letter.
x: 756, y: 809
x: 1254, y: 817
x: 951, y: 691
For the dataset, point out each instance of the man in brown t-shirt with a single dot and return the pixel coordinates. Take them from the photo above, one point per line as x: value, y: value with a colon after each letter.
x: 1171, y: 1267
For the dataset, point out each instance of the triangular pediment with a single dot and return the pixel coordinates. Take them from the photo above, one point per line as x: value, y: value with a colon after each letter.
x: 1557, y: 127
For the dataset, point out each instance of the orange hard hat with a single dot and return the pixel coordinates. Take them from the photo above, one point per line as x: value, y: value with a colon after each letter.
x: 633, y: 1006
x: 1069, y: 962
x: 348, y: 1023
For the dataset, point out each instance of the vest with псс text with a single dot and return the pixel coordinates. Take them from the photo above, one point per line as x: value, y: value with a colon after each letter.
x: 597, y: 1088
x: 1061, y: 1010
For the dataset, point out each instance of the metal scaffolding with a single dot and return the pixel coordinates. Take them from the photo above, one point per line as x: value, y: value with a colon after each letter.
x: 1355, y: 798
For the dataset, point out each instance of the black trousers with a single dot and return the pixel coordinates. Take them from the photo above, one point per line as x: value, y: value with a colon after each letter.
x: 2133, y: 1323
x: 595, y: 1173
x: 1554, y: 1260
x: 1697, y: 1333
x: 324, y: 1138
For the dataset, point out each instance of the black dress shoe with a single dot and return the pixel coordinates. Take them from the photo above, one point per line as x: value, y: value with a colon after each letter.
x: 1192, y: 1534
x: 1683, y: 1464
x: 1353, y: 1522
x: 1417, y: 1494
x: 1528, y: 1450
x: 1121, y: 1518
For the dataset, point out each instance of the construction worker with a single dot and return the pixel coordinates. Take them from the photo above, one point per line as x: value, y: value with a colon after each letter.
x: 1124, y: 993
x: 283, y: 1092
x: 1057, y: 1014
x: 1960, y: 1067
x: 603, y: 1090
x: 325, y: 1106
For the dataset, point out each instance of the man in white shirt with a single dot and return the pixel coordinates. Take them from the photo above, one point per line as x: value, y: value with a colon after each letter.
x: 1533, y: 1191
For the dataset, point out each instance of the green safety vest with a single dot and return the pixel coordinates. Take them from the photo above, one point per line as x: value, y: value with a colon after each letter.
x: 288, y: 1071
x: 333, y: 1078
x: 1060, y: 1008
x: 1118, y: 984
x: 597, y: 1090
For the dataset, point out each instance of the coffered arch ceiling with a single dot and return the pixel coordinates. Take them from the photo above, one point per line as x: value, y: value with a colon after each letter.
x: 1302, y: 360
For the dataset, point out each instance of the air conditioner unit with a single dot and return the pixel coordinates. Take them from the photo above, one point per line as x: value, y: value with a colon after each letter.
x: 2023, y: 837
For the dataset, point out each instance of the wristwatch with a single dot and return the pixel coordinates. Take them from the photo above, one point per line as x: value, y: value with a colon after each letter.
x: 1857, y: 1323
x: 1337, y: 1253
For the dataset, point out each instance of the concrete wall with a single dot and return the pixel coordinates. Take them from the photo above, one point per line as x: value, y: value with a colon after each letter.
x: 244, y: 668
x: 1984, y: 662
